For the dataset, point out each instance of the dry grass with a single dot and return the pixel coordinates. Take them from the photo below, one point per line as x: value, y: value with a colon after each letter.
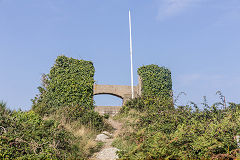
x: 85, y: 136
x: 131, y: 117
x: 127, y: 129
x: 128, y: 120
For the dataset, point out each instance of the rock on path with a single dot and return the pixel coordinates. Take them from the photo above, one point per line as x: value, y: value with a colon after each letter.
x: 102, y: 137
x: 108, y: 154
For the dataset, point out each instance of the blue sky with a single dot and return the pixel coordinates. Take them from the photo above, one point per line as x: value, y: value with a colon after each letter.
x: 198, y: 40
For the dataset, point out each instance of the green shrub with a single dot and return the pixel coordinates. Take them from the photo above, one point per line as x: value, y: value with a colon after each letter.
x: 182, y: 133
x: 106, y: 116
x: 27, y: 136
x: 85, y: 117
x: 149, y: 104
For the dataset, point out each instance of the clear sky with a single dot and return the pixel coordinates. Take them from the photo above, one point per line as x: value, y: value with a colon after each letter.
x: 198, y: 40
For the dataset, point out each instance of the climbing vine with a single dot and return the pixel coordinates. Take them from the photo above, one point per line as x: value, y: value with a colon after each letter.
x: 69, y: 83
x: 156, y: 81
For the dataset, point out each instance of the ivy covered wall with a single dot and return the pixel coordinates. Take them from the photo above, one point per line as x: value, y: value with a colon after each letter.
x: 155, y: 81
x: 69, y: 83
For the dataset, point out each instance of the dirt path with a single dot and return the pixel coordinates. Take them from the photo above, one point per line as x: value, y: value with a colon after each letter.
x: 108, y: 152
x: 116, y: 125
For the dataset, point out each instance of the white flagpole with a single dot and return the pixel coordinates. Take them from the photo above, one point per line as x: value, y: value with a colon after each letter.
x: 131, y: 53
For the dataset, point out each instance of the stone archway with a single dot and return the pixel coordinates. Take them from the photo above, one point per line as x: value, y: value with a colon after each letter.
x: 122, y: 91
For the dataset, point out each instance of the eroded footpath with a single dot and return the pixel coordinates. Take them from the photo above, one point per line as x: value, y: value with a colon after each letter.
x: 108, y: 152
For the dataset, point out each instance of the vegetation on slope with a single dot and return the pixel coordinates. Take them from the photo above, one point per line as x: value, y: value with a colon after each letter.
x: 183, y: 132
x: 62, y: 123
x: 158, y: 130
x: 25, y: 135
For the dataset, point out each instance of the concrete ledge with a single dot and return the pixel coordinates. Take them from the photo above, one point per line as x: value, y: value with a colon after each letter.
x: 112, y: 110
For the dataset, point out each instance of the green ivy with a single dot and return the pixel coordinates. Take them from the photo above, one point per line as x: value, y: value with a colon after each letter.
x: 70, y: 82
x: 156, y: 81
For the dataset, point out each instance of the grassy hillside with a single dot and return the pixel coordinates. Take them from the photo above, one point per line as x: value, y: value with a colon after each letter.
x: 25, y: 135
x: 183, y: 132
x: 62, y: 123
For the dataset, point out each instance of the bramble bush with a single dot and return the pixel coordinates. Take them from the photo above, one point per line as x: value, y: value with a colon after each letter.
x: 161, y: 131
x: 25, y: 135
x: 184, y: 132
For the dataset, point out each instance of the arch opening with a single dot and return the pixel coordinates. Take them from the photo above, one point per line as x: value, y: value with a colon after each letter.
x: 104, y: 99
